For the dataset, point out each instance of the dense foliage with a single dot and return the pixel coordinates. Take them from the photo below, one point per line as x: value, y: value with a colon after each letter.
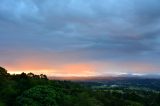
x: 36, y: 90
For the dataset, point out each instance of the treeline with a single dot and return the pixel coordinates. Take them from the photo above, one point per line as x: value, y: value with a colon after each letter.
x: 36, y: 90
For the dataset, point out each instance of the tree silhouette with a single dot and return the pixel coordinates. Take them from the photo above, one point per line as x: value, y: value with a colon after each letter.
x: 3, y: 72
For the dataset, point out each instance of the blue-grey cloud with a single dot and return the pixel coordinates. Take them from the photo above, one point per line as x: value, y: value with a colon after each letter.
x: 89, y: 30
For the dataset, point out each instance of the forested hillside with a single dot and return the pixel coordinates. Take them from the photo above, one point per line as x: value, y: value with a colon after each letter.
x: 36, y: 90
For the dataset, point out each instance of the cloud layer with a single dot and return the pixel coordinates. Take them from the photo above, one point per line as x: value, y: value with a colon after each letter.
x: 51, y: 33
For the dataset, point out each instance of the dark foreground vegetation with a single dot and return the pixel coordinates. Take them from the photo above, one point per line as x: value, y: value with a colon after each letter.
x: 36, y: 90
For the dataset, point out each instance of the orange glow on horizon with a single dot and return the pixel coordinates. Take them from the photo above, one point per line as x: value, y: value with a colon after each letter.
x: 65, y: 70
x: 80, y: 69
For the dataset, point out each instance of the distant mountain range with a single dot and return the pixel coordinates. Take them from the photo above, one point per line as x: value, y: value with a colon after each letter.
x: 95, y: 78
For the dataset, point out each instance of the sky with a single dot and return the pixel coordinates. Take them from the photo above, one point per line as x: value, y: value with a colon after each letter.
x: 80, y: 37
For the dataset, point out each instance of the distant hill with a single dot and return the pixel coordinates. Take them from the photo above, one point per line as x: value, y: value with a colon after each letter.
x: 95, y: 78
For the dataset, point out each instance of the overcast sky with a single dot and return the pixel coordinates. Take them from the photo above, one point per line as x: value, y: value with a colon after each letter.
x: 80, y: 37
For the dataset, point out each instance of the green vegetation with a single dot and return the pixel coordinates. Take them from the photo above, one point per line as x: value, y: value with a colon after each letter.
x: 36, y: 90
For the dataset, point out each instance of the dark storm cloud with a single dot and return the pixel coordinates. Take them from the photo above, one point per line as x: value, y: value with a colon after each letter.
x: 104, y: 29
